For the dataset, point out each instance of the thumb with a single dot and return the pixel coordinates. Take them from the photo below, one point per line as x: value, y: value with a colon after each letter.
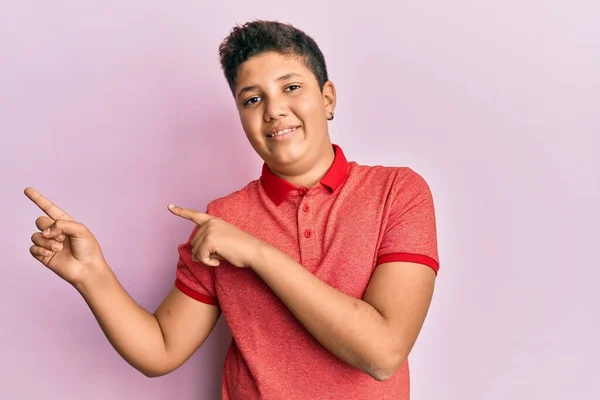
x: 69, y: 228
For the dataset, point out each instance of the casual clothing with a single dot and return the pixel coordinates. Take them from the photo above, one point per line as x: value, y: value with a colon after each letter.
x: 356, y: 218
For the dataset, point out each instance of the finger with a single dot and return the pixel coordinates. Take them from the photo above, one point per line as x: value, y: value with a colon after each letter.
x: 39, y: 252
x: 198, y: 238
x: 48, y: 244
x: 51, y: 209
x: 213, y: 262
x: 200, y: 233
x: 68, y: 228
x: 43, y: 222
x: 200, y: 255
x: 206, y: 258
x: 203, y: 252
x: 213, y: 256
x: 195, y: 216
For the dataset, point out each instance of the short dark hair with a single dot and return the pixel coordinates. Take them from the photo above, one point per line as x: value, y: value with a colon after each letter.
x: 256, y: 37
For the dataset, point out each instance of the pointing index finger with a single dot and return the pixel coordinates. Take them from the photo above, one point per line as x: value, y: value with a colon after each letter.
x: 191, y: 215
x: 51, y: 209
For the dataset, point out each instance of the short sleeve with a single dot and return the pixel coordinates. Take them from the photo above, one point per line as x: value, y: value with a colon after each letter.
x: 410, y: 230
x: 195, y: 279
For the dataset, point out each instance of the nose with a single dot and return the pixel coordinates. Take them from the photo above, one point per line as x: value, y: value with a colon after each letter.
x: 275, y: 108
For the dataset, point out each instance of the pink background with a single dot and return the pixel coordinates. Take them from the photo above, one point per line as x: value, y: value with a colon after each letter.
x: 114, y: 109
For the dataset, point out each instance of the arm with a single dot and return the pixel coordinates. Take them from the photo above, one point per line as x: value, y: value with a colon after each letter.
x: 155, y: 344
x: 375, y: 334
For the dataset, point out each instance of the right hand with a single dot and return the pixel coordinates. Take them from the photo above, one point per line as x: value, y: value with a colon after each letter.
x: 63, y: 245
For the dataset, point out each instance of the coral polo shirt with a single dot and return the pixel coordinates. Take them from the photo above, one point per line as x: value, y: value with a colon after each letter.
x: 356, y: 218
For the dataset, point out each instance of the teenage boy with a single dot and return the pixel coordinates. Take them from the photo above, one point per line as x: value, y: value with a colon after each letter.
x: 323, y: 268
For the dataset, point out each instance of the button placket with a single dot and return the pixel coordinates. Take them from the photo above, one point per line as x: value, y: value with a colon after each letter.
x: 308, y: 249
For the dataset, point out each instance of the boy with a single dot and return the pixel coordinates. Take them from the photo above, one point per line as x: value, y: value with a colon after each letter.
x: 324, y: 269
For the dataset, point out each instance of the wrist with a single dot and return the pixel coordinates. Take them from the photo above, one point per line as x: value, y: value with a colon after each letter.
x: 262, y: 252
x: 92, y: 276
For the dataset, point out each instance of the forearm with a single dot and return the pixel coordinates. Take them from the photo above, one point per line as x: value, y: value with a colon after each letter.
x: 134, y: 332
x: 349, y: 328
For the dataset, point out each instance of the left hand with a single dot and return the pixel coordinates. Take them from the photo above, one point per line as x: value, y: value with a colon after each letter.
x: 217, y: 240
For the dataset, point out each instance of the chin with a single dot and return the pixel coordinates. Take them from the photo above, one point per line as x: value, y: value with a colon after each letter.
x: 288, y: 154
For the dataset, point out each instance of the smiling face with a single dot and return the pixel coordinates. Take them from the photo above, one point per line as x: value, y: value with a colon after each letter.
x: 284, y: 112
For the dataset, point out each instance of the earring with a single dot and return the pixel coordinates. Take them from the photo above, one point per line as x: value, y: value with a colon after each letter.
x: 330, y: 117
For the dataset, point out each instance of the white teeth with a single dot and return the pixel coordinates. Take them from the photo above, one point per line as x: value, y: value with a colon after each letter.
x: 282, y: 132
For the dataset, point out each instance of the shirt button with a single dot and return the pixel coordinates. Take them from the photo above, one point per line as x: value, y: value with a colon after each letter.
x: 307, y: 233
x: 302, y: 191
x: 306, y: 208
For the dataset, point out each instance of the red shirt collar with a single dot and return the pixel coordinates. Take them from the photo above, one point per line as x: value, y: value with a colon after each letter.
x: 278, y: 189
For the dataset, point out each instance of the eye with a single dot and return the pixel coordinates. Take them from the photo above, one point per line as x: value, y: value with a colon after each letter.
x: 292, y: 88
x: 251, y: 101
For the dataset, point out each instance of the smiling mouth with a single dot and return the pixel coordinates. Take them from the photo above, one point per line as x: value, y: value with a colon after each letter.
x: 282, y: 132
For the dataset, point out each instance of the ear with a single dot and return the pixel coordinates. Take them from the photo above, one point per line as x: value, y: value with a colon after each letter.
x: 329, y: 98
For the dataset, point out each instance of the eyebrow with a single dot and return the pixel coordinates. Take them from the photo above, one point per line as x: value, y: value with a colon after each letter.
x: 281, y: 78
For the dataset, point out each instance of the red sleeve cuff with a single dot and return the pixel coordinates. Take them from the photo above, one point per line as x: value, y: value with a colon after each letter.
x: 195, y: 295
x: 408, y: 257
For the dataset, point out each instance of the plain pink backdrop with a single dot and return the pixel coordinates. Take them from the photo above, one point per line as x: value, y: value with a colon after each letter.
x: 114, y: 109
